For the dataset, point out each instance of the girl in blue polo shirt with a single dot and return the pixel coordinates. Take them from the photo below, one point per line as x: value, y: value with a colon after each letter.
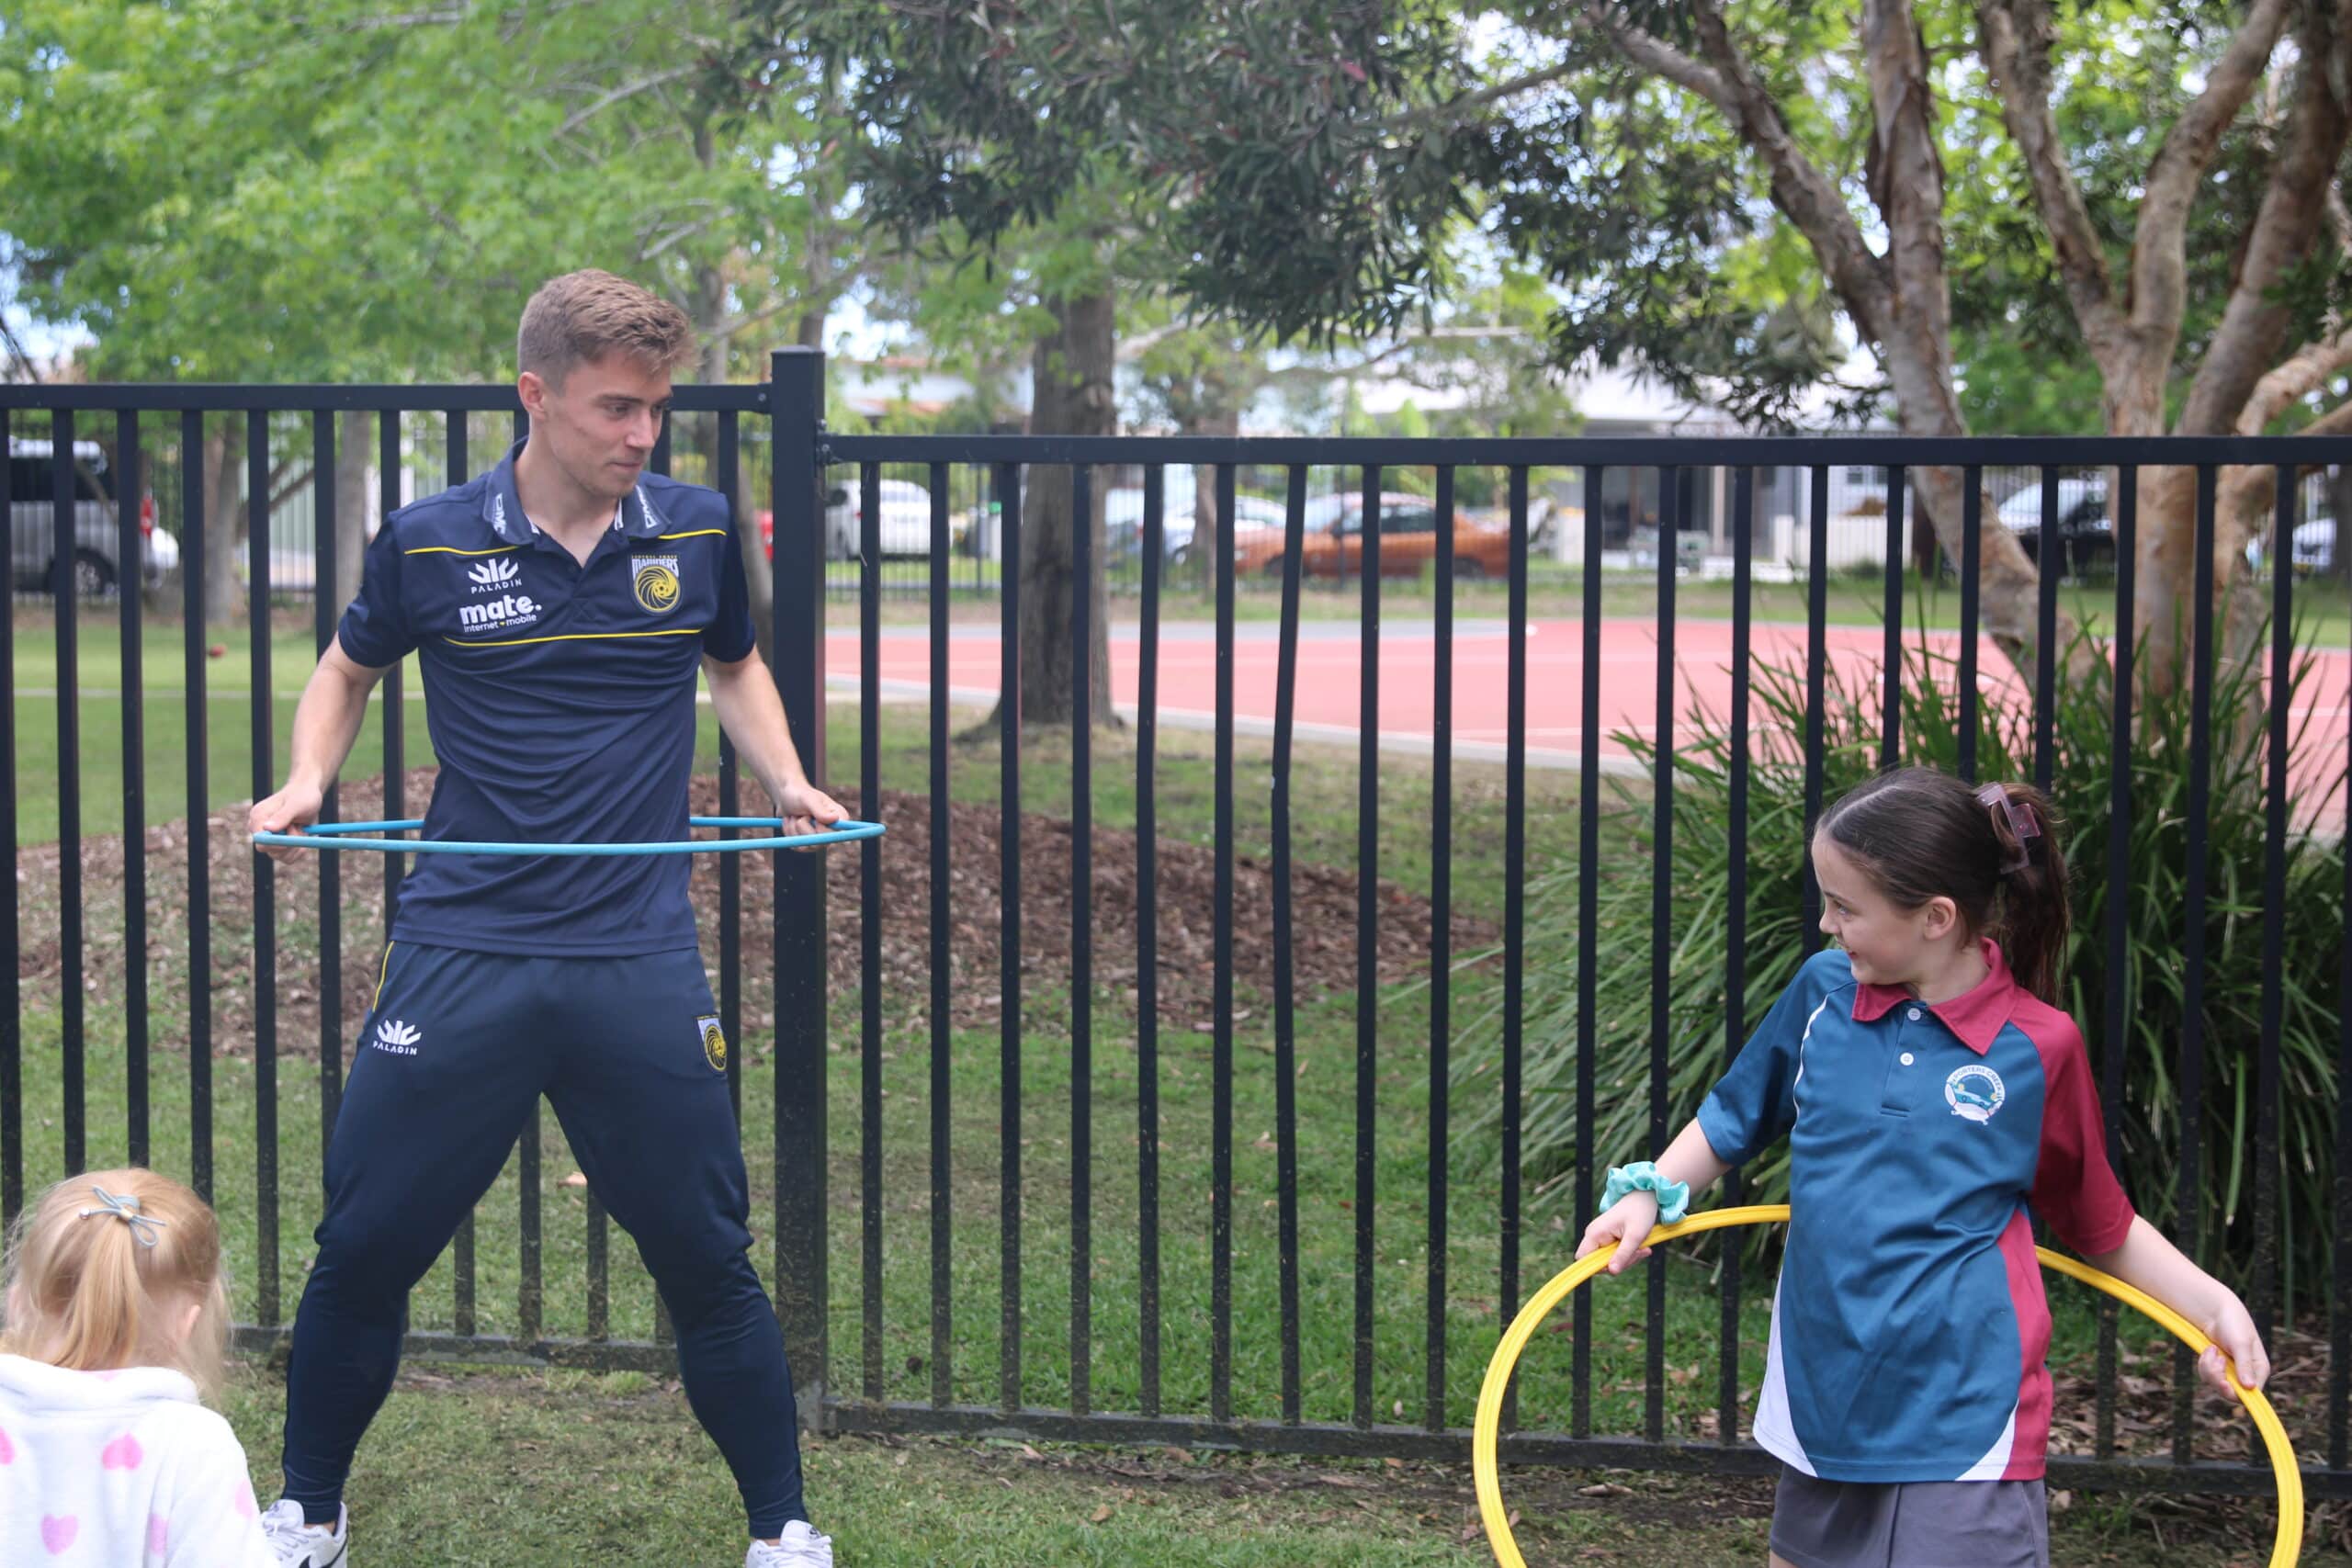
x: 1932, y: 1091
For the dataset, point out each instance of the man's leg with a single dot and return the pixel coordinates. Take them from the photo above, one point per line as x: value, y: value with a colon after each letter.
x: 641, y: 1086
x: 443, y: 1079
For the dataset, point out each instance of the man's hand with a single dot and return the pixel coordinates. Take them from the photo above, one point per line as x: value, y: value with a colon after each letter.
x: 291, y: 811
x: 806, y: 809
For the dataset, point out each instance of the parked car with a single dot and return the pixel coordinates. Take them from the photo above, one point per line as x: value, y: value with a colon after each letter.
x: 2086, y: 534
x: 2315, y: 547
x: 906, y: 521
x: 1333, y: 545
x: 33, y: 523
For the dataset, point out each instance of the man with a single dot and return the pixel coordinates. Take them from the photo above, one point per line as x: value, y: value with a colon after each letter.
x: 561, y: 606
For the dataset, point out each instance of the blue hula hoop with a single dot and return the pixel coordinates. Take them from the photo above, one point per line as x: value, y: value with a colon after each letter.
x: 344, y: 836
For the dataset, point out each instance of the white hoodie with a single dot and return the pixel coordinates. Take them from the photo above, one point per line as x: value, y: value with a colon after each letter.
x: 113, y: 1470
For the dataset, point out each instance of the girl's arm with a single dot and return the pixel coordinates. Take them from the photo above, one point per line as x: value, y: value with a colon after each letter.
x: 1688, y: 1158
x: 2147, y: 1260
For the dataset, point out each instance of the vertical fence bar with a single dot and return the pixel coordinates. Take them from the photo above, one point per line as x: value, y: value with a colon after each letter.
x: 1670, y: 496
x: 65, y: 570
x: 797, y: 385
x: 1588, y: 944
x: 2274, y: 917
x: 200, y: 837
x: 2120, y: 981
x: 12, y: 1019
x: 2050, y: 565
x: 2189, y: 1217
x: 1743, y: 511
x: 325, y: 577
x: 1441, y: 950
x: 870, y: 920
x: 1007, y: 707
x: 259, y: 551
x: 457, y: 465
x: 1367, y: 931
x: 1285, y: 914
x: 394, y: 718
x: 2339, y: 1294
x: 1155, y: 532
x: 1515, y: 894
x: 131, y: 553
x: 530, y: 1293
x: 731, y: 866
x: 1890, y: 747
x: 1816, y: 678
x: 1971, y: 543
x: 1221, y: 1004
x: 1081, y: 940
x: 942, y: 1033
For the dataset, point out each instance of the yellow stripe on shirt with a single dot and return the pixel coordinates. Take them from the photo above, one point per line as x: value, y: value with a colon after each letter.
x: 573, y: 637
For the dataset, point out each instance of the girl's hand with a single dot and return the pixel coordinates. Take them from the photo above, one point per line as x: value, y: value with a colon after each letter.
x: 2233, y: 1334
x: 1628, y: 1224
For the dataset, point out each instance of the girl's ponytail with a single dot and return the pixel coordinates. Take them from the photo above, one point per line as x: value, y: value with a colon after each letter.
x: 102, y: 1270
x: 2035, y: 914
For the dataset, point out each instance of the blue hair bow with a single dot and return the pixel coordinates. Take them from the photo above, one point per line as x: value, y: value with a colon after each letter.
x: 126, y: 1209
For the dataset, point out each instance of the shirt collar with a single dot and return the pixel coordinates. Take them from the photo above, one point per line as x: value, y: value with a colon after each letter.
x: 502, y: 507
x: 1976, y: 1016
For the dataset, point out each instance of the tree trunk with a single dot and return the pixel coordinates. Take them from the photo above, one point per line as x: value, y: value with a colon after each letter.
x: 1073, y: 366
x: 1208, y: 420
x: 224, y: 517
x: 353, y: 457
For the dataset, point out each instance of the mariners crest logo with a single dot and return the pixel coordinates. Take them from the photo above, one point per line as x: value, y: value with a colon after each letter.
x: 1974, y: 1091
x: 490, y: 575
x: 657, y: 583
x: 714, y: 1043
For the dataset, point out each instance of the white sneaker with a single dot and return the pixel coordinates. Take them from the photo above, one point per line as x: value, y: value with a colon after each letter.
x: 297, y: 1545
x: 800, y: 1548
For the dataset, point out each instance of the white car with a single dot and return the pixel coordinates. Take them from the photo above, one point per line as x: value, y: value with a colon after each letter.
x: 2315, y: 547
x: 906, y: 520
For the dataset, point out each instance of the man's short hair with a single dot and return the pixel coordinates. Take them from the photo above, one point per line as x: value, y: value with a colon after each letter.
x: 583, y: 316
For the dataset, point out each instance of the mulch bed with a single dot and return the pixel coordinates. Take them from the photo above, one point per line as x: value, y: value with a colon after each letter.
x: 1324, y: 951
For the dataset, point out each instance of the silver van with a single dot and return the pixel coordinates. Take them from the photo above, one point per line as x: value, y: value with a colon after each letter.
x: 33, y: 523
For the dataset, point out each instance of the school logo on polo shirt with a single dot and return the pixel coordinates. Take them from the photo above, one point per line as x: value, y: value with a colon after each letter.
x: 714, y: 1043
x: 1974, y: 1091
x: 657, y: 583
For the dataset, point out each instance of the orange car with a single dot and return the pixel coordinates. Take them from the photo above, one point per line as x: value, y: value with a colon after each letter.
x: 1332, y: 545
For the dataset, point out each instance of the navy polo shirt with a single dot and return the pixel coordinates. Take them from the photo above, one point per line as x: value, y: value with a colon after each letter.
x: 1909, y: 1327
x: 560, y: 700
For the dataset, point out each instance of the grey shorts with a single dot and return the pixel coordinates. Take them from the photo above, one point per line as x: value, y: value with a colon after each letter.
x: 1911, y: 1524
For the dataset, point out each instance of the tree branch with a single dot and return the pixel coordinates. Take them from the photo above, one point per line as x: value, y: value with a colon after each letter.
x: 2285, y: 227
x: 625, y: 90
x: 1810, y: 199
x: 2016, y: 41
x: 2301, y: 374
x: 1457, y: 109
x: 2159, y: 280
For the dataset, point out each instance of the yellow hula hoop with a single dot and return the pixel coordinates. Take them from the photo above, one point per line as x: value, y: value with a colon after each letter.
x: 1485, y: 1433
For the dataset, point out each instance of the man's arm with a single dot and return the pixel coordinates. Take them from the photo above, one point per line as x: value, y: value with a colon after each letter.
x: 325, y: 724
x: 752, y: 713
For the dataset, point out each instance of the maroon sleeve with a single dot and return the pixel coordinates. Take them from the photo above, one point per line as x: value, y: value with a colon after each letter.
x: 2074, y: 1187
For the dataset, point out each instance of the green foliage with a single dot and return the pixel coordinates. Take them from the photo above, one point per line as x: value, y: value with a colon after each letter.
x: 2151, y: 1117
x: 217, y: 190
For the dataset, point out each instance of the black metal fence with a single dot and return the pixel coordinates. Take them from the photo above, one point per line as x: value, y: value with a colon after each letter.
x: 804, y: 471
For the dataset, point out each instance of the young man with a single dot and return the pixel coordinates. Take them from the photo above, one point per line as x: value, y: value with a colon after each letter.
x: 560, y: 606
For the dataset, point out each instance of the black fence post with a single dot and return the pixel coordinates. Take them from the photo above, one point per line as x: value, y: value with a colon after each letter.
x: 797, y: 651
